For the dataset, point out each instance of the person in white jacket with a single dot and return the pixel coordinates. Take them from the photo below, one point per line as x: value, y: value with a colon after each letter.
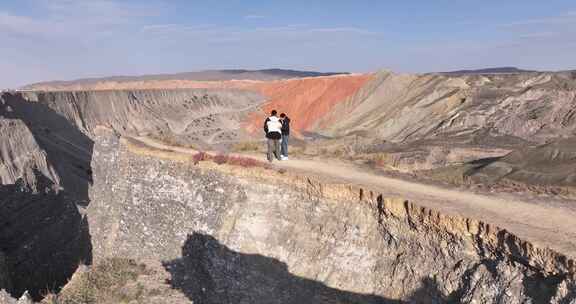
x: 273, y: 130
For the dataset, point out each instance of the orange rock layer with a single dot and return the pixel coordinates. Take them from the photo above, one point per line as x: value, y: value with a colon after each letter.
x: 305, y: 100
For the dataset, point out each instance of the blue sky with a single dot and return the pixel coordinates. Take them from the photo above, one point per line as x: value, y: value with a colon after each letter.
x: 67, y: 39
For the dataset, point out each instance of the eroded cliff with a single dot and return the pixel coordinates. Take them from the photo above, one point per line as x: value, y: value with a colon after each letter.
x: 229, y: 234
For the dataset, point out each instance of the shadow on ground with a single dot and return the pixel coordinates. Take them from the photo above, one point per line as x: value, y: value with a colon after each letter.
x: 210, y: 273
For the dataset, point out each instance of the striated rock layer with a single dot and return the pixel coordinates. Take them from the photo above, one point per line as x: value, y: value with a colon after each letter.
x: 532, y: 107
x: 187, y: 116
x: 20, y: 153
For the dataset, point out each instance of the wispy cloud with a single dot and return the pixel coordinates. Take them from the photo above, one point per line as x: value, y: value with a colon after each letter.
x: 537, y: 35
x: 565, y: 18
x: 222, y: 34
x: 20, y: 24
x: 164, y: 29
x: 352, y: 30
x: 248, y: 17
x: 75, y: 17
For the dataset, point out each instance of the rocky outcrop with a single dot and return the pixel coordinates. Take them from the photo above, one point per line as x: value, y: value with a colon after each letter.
x: 272, y: 238
x: 168, y: 199
x: 5, y: 298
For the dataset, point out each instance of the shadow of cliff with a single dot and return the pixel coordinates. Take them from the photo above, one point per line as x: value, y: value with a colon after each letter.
x: 42, y: 232
x: 67, y: 149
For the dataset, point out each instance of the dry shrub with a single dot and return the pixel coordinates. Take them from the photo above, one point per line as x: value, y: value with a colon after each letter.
x: 171, y: 140
x: 332, y: 153
x: 248, y: 146
x: 234, y: 160
x: 246, y: 162
x: 103, y: 283
x: 241, y: 161
x: 380, y: 159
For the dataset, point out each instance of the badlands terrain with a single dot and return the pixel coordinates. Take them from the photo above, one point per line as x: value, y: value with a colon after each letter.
x: 401, y: 188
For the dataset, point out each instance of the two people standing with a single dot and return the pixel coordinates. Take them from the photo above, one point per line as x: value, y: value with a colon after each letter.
x: 277, y: 132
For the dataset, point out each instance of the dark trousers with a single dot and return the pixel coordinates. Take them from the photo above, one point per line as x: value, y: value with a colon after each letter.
x: 284, y: 145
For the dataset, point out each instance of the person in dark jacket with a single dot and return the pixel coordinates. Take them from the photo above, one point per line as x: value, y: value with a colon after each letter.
x: 285, y: 135
x: 273, y: 130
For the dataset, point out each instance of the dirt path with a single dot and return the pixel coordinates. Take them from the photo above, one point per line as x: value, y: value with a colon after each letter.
x: 545, y: 225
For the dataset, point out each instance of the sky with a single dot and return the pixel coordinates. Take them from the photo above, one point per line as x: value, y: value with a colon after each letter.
x: 68, y: 39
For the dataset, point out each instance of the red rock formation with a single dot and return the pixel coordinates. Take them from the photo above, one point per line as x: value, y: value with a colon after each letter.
x: 305, y: 100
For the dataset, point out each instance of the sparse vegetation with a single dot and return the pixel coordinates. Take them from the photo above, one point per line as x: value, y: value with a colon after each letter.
x: 247, y: 146
x: 331, y: 152
x: 234, y: 160
x: 379, y: 159
x: 171, y: 140
x: 110, y: 281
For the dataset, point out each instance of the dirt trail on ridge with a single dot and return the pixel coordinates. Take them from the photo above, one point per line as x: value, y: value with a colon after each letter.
x: 544, y: 224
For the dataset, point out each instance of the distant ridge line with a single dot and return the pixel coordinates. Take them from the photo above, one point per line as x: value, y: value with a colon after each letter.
x: 208, y: 75
x: 497, y: 70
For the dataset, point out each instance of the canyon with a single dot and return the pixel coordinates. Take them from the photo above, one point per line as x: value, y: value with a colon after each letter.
x: 403, y: 188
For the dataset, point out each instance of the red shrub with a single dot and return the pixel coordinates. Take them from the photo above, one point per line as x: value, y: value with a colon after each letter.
x: 198, y: 157
x: 243, y: 161
x: 221, y: 159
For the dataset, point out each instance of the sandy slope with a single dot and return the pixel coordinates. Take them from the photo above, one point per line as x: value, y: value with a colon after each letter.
x: 545, y: 225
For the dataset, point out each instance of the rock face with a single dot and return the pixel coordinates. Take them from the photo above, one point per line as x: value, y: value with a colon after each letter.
x: 20, y: 153
x: 275, y: 240
x: 42, y: 139
x: 186, y: 116
x: 532, y: 107
x: 167, y: 199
